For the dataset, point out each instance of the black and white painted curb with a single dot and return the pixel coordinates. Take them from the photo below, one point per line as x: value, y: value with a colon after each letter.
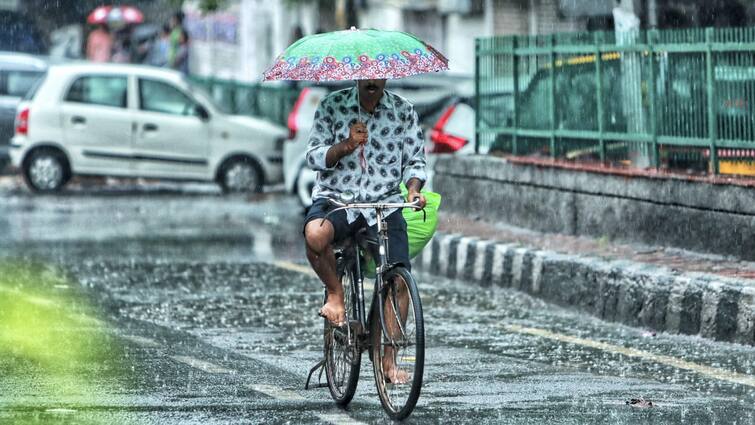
x: 623, y: 291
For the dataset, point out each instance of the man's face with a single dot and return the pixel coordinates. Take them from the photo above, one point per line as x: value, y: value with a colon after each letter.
x: 371, y: 89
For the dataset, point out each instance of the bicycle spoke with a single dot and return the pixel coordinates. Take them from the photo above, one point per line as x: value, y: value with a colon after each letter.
x: 343, y: 357
x: 395, y: 308
x: 398, y: 350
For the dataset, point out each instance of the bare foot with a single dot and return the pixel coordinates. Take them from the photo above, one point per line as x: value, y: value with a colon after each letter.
x: 395, y: 375
x: 334, y: 310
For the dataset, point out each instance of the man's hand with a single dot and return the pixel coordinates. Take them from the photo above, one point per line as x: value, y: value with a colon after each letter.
x: 414, y: 186
x: 414, y: 195
x: 357, y: 137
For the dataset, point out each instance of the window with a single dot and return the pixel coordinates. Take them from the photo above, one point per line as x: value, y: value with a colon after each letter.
x: 99, y: 90
x: 156, y: 96
x: 18, y: 83
x: 35, y: 87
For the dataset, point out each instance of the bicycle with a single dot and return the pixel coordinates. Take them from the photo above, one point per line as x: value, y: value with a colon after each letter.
x: 393, y: 329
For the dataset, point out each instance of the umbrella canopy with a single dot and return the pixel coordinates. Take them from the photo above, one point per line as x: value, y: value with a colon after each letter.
x: 356, y: 55
x: 115, y: 14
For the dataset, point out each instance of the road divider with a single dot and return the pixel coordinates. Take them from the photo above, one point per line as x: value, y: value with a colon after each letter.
x: 636, y: 294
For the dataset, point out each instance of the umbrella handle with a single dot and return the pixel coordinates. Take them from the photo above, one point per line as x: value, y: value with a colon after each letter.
x: 362, y: 159
x: 359, y: 101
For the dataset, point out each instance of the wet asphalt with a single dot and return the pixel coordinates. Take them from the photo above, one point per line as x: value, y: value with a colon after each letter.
x: 174, y: 304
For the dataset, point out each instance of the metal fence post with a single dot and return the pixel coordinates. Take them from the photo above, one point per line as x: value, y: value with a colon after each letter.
x: 552, y: 58
x: 477, y: 103
x: 712, y: 125
x: 651, y: 39
x: 598, y: 40
x: 515, y: 95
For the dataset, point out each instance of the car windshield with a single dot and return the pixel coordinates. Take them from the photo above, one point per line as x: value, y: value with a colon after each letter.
x: 200, y: 92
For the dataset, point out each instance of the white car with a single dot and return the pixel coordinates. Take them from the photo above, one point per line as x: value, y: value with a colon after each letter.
x: 298, y: 178
x: 136, y: 121
x: 429, y: 95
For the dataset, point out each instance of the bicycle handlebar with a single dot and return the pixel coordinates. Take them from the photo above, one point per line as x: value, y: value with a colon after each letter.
x: 375, y: 205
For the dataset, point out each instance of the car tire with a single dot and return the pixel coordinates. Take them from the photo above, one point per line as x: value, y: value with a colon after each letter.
x: 46, y: 170
x: 241, y: 175
x: 305, y: 182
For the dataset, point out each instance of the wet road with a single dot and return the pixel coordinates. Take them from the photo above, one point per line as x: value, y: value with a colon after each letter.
x: 183, y: 306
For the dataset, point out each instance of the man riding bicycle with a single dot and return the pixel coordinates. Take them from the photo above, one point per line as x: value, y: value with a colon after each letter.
x: 364, y: 141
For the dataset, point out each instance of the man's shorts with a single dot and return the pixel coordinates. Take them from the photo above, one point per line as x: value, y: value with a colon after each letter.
x: 398, y: 241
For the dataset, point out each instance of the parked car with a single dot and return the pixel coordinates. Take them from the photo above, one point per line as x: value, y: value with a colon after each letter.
x: 138, y: 121
x: 680, y: 93
x: 18, y: 72
x: 430, y: 96
x: 454, y: 132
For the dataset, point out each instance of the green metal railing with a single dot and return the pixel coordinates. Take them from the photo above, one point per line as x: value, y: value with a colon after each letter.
x: 674, y: 99
x: 267, y: 101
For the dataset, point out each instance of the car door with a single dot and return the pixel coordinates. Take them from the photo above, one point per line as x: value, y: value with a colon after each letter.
x: 97, y: 124
x: 172, y: 137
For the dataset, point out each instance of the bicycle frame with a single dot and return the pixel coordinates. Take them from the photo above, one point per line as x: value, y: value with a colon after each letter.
x: 364, y: 319
x: 381, y: 264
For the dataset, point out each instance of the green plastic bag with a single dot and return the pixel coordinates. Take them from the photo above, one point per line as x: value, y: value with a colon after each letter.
x: 420, y: 227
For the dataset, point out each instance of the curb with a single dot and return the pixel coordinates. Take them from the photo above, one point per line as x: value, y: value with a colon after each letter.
x: 635, y: 294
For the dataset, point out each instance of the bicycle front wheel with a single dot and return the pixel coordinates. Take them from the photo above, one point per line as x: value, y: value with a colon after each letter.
x: 343, y: 357
x: 398, y: 343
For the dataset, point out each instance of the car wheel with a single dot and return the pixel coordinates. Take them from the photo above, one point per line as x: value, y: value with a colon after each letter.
x: 241, y: 175
x: 305, y: 182
x: 46, y: 170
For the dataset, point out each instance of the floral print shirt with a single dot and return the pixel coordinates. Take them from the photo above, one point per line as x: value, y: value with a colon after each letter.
x: 394, y: 151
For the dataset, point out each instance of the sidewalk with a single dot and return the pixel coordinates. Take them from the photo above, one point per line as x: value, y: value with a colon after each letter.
x: 652, y: 287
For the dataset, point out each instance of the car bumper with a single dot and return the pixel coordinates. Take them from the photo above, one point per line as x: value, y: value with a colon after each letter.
x: 293, y: 160
x: 273, y: 169
x: 16, y: 151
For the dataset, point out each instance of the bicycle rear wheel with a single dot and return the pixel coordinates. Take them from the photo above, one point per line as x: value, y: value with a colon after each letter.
x: 398, y: 343
x: 343, y: 357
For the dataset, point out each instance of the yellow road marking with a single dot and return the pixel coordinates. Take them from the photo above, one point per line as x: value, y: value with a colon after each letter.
x: 60, y: 411
x: 140, y: 340
x: 368, y: 284
x: 295, y: 267
x: 710, y: 372
x: 201, y: 364
x: 288, y: 395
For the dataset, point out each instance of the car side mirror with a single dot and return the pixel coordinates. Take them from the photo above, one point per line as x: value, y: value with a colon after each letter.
x: 202, y: 113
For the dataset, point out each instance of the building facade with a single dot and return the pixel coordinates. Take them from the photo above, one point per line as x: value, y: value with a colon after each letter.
x: 240, y: 41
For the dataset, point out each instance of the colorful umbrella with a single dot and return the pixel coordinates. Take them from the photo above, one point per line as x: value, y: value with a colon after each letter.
x: 115, y: 14
x: 356, y: 55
